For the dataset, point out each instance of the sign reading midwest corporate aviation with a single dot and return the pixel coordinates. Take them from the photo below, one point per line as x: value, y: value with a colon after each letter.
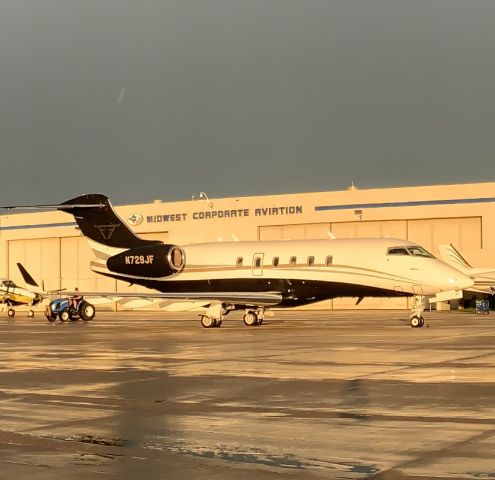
x: 136, y: 218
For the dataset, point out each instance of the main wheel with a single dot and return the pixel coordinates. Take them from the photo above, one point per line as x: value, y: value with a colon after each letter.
x: 11, y: 312
x: 218, y: 322
x: 51, y: 318
x: 207, y: 322
x: 250, y: 319
x: 64, y: 315
x: 30, y: 313
x: 87, y: 311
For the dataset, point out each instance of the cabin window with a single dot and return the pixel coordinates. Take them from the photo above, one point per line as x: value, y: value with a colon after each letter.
x: 239, y: 262
x: 311, y: 261
x: 397, y: 251
x: 293, y: 260
x: 329, y: 260
x: 275, y: 261
x: 257, y: 262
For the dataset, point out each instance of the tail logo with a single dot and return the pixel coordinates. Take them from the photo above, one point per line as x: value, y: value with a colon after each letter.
x: 106, y: 231
x: 135, y: 219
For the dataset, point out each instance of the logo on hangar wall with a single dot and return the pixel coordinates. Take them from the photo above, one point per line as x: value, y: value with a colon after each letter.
x: 135, y: 219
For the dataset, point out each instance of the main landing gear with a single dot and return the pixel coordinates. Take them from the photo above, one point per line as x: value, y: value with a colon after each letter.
x: 213, y: 316
x: 210, y: 322
x: 416, y: 319
x: 253, y: 318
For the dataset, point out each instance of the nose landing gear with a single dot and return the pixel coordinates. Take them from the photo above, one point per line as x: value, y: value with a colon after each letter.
x: 416, y: 319
x: 417, y: 322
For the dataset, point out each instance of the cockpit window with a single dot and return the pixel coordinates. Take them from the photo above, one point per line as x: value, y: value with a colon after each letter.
x: 416, y: 251
x: 398, y: 251
x: 419, y: 252
x: 9, y: 284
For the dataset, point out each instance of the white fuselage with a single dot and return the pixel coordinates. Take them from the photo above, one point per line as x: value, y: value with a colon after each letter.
x: 307, y: 270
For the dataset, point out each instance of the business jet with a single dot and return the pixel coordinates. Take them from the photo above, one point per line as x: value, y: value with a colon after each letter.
x: 255, y: 276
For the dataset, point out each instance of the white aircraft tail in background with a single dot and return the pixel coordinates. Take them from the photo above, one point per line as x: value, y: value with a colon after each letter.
x: 483, y: 278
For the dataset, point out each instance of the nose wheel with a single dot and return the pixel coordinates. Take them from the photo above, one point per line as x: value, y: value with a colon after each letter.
x: 417, y: 321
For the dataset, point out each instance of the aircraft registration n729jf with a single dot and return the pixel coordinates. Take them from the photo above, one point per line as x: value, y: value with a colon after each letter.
x: 256, y: 275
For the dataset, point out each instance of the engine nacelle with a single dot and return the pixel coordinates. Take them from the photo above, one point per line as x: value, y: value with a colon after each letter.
x: 151, y: 261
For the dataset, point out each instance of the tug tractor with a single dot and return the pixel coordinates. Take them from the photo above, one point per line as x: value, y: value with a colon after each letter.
x: 64, y: 310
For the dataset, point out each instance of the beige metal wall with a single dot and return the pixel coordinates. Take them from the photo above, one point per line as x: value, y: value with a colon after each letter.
x: 294, y: 232
x: 39, y: 257
x: 463, y: 232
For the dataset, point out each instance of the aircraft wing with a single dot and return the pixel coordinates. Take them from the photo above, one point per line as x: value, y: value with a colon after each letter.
x: 242, y: 298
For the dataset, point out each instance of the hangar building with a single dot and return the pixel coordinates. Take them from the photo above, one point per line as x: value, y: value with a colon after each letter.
x: 51, y: 247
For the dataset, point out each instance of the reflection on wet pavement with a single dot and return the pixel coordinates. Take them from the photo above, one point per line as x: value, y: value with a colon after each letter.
x: 308, y: 395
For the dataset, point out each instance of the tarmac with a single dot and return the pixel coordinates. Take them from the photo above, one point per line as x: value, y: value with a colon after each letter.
x: 307, y: 395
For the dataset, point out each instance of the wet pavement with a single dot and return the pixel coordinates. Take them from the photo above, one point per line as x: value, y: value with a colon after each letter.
x: 308, y: 395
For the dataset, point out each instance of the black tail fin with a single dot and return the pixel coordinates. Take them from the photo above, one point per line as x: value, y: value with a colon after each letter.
x: 99, y: 222
x: 26, y: 276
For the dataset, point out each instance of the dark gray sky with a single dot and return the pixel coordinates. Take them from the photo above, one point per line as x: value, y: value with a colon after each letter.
x: 164, y: 98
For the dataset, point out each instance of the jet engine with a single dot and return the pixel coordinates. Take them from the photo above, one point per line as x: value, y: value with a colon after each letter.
x: 152, y: 261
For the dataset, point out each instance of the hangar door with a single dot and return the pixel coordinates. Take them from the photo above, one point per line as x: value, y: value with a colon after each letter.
x: 387, y: 228
x: 464, y: 233
x: 75, y: 271
x: 39, y: 256
x: 294, y: 232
